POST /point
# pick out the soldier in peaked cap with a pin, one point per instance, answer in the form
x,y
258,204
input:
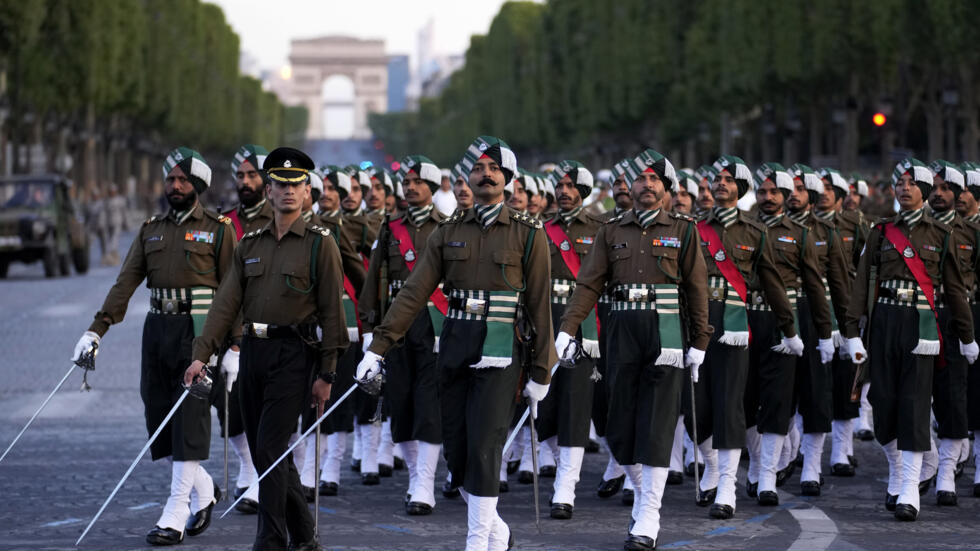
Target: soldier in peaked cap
x,y
493,262
914,255
284,361
650,260
183,256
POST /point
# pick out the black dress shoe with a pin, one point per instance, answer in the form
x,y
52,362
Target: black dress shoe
x,y
561,511
706,497
785,474
611,487
944,498
675,478
504,487
689,468
768,499
890,501
311,545
385,470
448,491
639,543
799,460
852,460
247,506
512,466
418,509
548,471
239,491
842,469
525,477
924,485
164,536
199,521
810,488
355,465
370,479
592,447
752,489
906,512
309,493
976,490
865,435
399,464
721,511
627,498
328,488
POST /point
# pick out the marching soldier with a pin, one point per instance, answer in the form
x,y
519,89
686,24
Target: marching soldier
x,y
705,201
857,193
685,194
412,386
968,208
494,264
649,259
253,212
814,372
298,265
562,423
183,256
912,255
464,195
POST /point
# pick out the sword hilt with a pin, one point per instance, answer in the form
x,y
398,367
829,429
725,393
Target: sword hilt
x,y
86,361
373,385
201,387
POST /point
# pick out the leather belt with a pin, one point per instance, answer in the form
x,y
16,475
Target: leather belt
x,y
634,295
904,295
170,305
272,331
473,306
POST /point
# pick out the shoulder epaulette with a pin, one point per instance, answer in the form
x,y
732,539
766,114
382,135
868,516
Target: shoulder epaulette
x,y
214,215
595,218
828,223
153,218
320,229
682,216
526,220
616,218
224,219
941,225
795,223
455,218
759,226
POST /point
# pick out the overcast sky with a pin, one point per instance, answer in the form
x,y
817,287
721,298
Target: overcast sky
x,y
266,28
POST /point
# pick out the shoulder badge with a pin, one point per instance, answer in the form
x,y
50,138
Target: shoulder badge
x,y
758,226
224,219
526,220
153,218
616,218
320,230
455,218
682,216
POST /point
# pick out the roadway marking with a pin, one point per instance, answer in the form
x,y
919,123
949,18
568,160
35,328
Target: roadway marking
x,y
817,530
61,522
144,506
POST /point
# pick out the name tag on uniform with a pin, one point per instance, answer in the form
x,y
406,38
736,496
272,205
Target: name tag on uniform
x,y
619,246
820,243
199,236
966,247
154,238
744,248
672,242
252,260
847,239
932,248
585,240
456,244
786,239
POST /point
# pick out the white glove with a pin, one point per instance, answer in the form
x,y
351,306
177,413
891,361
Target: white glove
x,y
366,339
826,348
229,367
85,344
694,359
856,349
369,367
791,346
970,351
535,393
562,342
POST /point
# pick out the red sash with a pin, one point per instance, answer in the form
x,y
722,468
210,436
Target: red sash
x,y
915,265
569,257
726,265
235,221
400,232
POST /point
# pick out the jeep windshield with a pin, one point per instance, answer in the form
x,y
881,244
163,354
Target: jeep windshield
x,y
26,194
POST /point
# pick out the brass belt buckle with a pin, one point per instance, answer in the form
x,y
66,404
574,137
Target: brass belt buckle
x,y
716,293
561,289
169,305
475,306
261,330
637,295
905,294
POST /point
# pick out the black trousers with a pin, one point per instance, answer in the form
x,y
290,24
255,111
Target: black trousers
x,y
412,388
843,374
973,379
276,377
342,418
814,379
769,400
644,398
720,390
949,384
165,356
600,392
566,410
901,382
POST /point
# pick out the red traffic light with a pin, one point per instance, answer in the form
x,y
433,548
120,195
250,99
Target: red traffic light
x,y
879,119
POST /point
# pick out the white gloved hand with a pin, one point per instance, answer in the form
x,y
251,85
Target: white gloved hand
x,y
564,345
693,360
826,348
856,349
535,392
369,367
85,344
229,367
366,339
792,346
970,351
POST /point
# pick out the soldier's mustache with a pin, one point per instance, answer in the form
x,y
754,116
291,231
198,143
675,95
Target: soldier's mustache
x,y
486,182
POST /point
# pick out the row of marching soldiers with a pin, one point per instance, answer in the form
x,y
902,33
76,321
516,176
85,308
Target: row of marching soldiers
x,y
764,312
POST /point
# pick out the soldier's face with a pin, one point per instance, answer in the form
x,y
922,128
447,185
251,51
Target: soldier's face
x,y
941,197
908,194
705,199
417,191
648,191
248,181
966,204
518,199
769,198
353,199
682,201
799,199
535,203
376,197
852,201
288,197
621,193
179,190
828,199
391,202
567,194
464,197
487,181
330,198
725,189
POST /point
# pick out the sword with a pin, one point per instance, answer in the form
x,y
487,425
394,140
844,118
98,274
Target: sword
x,y
200,390
87,362
534,472
694,429
296,443
522,420
316,490
227,431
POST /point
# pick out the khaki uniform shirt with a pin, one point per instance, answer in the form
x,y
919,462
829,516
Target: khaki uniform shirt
x,y
581,231
271,281
362,229
353,264
795,259
170,256
626,253
464,255
259,220
831,264
853,229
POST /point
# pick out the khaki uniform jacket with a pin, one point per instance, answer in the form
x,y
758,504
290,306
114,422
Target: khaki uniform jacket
x,y
831,264
261,218
795,259
362,230
463,255
853,229
353,264
626,253
272,281
170,256
968,239
582,232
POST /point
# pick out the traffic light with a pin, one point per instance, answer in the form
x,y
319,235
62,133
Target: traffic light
x,y
879,119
